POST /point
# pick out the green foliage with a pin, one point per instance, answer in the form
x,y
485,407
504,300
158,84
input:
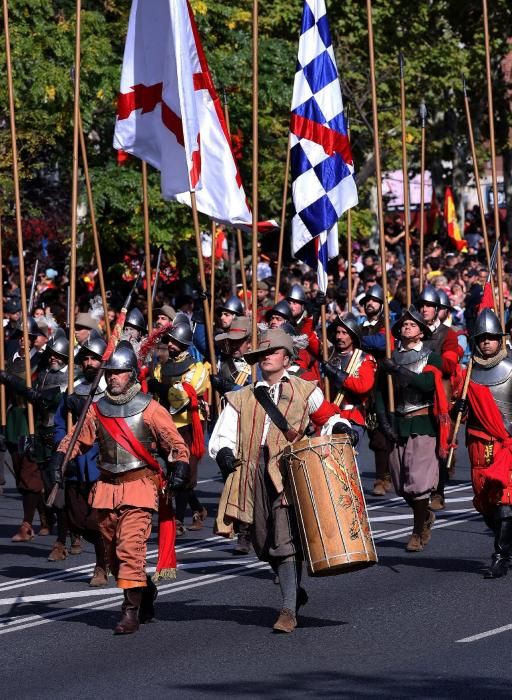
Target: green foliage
x,y
439,40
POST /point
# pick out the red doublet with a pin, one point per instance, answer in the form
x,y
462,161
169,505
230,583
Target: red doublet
x,y
356,390
308,358
451,353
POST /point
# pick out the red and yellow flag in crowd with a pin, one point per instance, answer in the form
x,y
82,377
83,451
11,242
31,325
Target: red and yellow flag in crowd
x,y
452,225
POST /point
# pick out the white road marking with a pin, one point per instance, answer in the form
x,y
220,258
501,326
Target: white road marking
x,y
398,500
483,635
408,516
36,620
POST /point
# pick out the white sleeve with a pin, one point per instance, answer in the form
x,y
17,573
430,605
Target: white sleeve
x,y
225,432
315,400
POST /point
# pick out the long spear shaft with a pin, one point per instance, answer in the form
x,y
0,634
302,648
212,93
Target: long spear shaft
x,y
95,236
255,212
212,275
405,176
17,201
349,239
493,162
423,118
31,298
476,175
74,210
382,240
157,276
283,220
239,242
147,248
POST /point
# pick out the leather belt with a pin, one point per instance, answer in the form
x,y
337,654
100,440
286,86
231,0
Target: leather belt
x,y
419,412
132,475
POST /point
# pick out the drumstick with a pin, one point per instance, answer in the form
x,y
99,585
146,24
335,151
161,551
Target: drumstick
x,y
351,368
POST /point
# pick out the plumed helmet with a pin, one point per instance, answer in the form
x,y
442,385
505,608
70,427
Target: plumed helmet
x,y
135,319
282,308
487,323
233,305
411,314
296,293
350,324
123,358
444,301
181,333
33,328
375,292
428,295
92,346
59,346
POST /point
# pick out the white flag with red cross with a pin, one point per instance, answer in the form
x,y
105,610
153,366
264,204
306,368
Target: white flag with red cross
x,y
169,113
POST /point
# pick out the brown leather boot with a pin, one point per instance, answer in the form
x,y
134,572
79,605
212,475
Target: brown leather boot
x,y
180,529
388,484
76,545
99,577
129,622
198,519
414,544
24,534
426,533
286,622
243,544
45,528
379,488
58,553
437,502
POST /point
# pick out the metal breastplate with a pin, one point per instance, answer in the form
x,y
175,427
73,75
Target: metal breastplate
x,y
499,381
50,380
340,361
113,458
173,370
436,340
409,399
84,388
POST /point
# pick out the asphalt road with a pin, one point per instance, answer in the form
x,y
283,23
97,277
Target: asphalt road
x,y
409,627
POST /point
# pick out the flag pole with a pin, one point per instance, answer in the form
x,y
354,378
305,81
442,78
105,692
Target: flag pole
x,y
382,240
255,213
74,210
202,278
17,200
349,238
405,177
95,237
423,118
476,175
283,220
493,163
212,275
147,247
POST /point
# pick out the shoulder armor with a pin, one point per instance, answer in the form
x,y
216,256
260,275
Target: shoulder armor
x,y
492,376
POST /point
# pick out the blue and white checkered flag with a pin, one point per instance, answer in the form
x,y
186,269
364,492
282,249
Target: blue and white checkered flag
x,y
323,184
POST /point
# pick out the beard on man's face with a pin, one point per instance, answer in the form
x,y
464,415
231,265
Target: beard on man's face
x,y
89,373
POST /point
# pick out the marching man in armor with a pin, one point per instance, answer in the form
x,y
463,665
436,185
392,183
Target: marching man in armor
x,y
488,431
351,380
131,430
134,328
420,407
248,441
234,372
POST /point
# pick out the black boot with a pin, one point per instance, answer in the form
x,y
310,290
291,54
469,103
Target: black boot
x,y
502,550
129,622
147,608
243,544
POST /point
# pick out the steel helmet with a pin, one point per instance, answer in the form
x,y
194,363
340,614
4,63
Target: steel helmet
x,y
123,358
428,295
350,324
487,323
92,346
135,319
33,328
233,305
181,333
181,317
412,314
444,301
282,308
297,294
59,346
375,292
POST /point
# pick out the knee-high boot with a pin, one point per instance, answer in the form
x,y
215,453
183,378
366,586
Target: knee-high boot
x,y
129,622
502,549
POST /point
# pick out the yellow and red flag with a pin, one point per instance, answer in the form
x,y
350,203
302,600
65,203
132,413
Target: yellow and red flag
x,y
452,225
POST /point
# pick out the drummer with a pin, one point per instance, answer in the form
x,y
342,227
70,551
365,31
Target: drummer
x,y
255,463
351,380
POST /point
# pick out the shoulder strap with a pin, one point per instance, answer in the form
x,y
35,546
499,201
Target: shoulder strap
x,y
262,396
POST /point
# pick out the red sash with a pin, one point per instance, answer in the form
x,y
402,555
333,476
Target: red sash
x,y
120,431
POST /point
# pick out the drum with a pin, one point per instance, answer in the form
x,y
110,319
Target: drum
x,y
325,488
